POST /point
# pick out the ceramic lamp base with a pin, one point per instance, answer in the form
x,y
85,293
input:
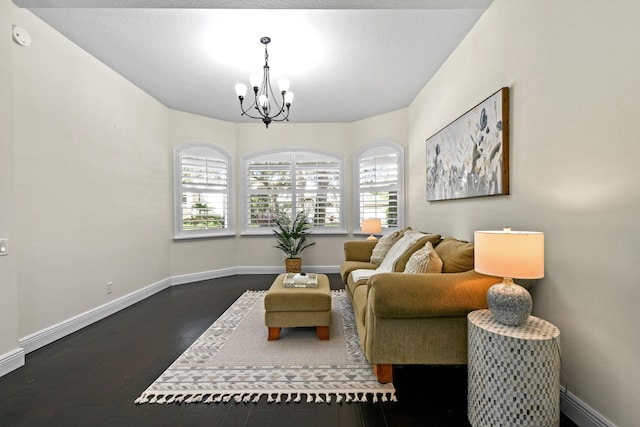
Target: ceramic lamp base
x,y
509,303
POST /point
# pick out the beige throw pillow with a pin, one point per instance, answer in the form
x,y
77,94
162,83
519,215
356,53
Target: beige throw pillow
x,y
382,247
424,260
456,255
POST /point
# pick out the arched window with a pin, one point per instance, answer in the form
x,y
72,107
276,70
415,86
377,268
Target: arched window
x,y
288,181
379,184
202,191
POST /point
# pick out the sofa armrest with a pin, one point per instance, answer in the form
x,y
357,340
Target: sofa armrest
x,y
359,250
403,295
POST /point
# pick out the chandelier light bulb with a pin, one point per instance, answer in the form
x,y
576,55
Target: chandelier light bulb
x,y
263,101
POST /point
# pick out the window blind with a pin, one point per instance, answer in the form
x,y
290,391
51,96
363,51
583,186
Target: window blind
x,y
203,190
378,188
287,182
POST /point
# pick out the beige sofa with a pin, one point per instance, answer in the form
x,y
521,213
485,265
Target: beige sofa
x,y
405,318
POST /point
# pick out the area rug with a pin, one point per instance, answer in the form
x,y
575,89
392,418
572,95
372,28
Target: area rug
x,y
232,361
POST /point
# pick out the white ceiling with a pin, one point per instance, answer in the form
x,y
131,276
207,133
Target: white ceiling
x,y
346,60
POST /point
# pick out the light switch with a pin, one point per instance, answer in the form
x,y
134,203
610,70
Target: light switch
x,y
4,246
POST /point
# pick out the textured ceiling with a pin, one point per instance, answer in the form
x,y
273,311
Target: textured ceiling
x,y
346,60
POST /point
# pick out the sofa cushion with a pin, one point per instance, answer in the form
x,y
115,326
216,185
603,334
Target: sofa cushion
x,y
401,262
424,260
352,285
382,247
360,297
456,255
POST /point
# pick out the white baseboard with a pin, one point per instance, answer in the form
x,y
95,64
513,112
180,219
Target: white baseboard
x,y
52,333
259,270
203,275
325,269
11,361
581,413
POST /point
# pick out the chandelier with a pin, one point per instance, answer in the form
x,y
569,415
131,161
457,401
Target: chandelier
x,y
265,103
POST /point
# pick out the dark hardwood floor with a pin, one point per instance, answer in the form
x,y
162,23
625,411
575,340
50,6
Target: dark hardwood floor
x,y
92,377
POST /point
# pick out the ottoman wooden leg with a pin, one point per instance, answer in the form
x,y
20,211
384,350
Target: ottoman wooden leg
x,y
323,332
274,334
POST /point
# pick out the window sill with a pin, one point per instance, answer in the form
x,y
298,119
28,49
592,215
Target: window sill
x,y
269,233
203,236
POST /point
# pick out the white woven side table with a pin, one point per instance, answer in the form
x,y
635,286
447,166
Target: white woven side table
x,y
513,372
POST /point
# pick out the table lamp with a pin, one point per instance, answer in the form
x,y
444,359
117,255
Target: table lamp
x,y
509,254
372,226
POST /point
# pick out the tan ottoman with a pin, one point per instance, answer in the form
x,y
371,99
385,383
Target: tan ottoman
x,y
294,307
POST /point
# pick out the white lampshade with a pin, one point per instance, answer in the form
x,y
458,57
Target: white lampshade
x,y
241,89
284,85
372,226
513,254
288,98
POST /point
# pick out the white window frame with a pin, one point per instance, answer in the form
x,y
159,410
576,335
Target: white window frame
x,y
325,230
392,147
204,149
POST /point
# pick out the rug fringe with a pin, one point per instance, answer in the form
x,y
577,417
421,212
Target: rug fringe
x,y
271,397
142,399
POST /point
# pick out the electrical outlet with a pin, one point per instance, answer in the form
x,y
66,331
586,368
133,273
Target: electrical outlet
x,y
109,287
4,247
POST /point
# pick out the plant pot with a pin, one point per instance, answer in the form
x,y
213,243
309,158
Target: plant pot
x,y
293,265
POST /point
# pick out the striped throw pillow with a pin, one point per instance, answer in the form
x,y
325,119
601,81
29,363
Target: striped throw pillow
x,y
424,260
382,247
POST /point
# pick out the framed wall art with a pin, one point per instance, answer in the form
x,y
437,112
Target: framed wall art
x,y
470,156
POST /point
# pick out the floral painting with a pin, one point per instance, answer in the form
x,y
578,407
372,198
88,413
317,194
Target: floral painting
x,y
470,157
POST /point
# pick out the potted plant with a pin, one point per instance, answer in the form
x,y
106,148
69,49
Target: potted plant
x,y
291,237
